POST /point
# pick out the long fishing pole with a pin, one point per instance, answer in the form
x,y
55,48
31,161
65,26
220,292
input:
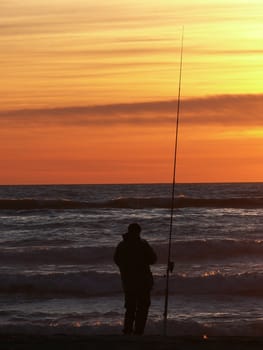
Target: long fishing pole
x,y
170,264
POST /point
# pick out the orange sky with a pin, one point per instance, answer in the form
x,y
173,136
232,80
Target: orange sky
x,y
88,91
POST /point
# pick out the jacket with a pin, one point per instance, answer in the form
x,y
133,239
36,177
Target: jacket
x,y
134,256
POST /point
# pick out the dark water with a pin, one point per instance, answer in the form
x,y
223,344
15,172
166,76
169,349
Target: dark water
x,y
57,242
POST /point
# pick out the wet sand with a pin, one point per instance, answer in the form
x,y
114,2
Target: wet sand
x,y
118,342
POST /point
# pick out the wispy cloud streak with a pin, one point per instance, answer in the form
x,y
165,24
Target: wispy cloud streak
x,y
224,110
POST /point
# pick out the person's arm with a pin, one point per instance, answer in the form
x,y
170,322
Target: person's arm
x,y
116,256
150,254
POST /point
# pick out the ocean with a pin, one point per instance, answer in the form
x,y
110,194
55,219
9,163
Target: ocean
x,y
57,274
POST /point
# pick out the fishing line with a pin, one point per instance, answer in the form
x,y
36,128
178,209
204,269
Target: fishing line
x,y
170,264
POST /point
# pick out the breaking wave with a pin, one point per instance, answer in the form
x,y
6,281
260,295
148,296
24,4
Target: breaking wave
x,y
90,284
182,251
133,203
188,327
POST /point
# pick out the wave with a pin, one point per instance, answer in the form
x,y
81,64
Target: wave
x,y
47,255
132,203
91,284
212,249
62,284
187,327
246,284
182,251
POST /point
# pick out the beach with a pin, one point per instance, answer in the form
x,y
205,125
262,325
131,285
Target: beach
x,y
116,342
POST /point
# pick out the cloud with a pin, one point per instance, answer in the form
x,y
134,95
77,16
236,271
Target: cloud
x,y
231,110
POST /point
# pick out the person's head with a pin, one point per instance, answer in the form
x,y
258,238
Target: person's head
x,y
134,230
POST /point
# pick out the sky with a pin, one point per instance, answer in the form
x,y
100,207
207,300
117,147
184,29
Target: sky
x,y
89,91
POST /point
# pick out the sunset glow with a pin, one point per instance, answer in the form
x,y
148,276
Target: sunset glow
x,y
88,91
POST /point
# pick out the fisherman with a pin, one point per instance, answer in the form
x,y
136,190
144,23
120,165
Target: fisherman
x,y
134,256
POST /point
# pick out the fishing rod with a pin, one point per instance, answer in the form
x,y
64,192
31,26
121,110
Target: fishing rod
x,y
170,264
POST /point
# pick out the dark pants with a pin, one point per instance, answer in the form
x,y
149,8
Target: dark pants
x,y
137,304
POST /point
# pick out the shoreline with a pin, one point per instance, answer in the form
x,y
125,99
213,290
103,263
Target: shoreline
x,y
120,342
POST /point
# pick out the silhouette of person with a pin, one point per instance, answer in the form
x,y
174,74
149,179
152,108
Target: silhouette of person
x,y
134,256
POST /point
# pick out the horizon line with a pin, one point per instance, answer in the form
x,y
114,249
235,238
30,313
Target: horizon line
x,y
134,183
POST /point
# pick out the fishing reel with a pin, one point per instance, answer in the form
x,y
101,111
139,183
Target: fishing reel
x,y
170,266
